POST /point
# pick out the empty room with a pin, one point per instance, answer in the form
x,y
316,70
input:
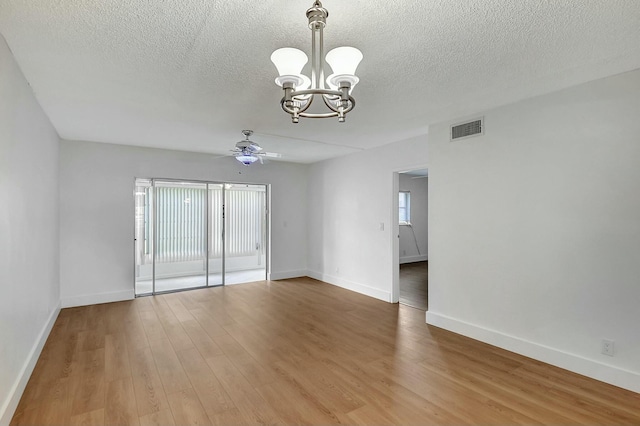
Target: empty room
x,y
367,213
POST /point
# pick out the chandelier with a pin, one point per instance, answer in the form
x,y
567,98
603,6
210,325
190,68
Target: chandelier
x,y
300,90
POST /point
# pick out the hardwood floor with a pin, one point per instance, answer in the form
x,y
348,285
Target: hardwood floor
x,y
293,352
414,278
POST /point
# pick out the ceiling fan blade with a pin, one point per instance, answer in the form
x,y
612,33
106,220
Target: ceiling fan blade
x,y
270,154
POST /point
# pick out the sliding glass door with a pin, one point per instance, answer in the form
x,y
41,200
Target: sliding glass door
x,y
181,235
143,237
198,234
245,246
216,234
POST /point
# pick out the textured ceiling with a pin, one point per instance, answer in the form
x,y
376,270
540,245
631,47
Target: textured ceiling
x,y
191,74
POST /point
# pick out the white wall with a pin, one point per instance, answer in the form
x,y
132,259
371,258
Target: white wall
x,y
413,248
29,289
96,212
535,229
349,199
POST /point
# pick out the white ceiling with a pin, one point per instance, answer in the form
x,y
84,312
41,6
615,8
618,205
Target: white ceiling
x,y
417,174
191,74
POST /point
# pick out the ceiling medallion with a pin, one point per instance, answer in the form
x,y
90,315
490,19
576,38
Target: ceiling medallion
x,y
300,90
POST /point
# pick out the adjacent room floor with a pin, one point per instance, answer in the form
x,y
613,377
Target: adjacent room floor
x,y
413,285
294,351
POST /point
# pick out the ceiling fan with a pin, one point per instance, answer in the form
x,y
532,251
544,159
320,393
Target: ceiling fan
x,y
248,152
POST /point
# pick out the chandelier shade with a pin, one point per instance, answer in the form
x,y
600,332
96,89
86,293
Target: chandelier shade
x,y
344,60
300,91
289,61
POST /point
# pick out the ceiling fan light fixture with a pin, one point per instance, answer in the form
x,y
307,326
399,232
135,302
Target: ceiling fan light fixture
x,y
248,152
300,90
247,159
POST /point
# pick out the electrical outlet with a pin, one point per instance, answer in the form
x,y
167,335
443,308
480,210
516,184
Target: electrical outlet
x,y
608,347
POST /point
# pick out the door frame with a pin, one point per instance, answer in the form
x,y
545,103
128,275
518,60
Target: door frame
x,y
395,228
267,222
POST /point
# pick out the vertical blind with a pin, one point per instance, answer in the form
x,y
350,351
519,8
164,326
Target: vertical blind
x,y
182,223
245,227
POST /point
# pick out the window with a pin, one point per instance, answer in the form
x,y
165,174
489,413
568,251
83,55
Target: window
x,y
404,208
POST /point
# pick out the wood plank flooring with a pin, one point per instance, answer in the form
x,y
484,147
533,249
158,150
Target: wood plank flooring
x,y
414,279
293,352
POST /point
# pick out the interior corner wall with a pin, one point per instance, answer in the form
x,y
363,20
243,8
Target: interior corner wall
x,y
535,229
29,286
97,212
351,201
414,237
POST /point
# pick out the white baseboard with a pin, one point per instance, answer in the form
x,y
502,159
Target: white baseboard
x,y
351,285
283,275
411,259
587,367
11,403
94,299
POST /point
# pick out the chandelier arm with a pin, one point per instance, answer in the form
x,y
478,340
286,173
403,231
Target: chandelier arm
x,y
293,110
302,108
318,115
352,104
323,92
317,92
335,112
328,103
306,105
285,108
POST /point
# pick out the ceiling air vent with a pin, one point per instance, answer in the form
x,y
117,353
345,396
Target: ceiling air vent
x,y
465,130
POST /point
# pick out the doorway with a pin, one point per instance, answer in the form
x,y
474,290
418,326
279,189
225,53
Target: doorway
x,y
192,234
413,190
